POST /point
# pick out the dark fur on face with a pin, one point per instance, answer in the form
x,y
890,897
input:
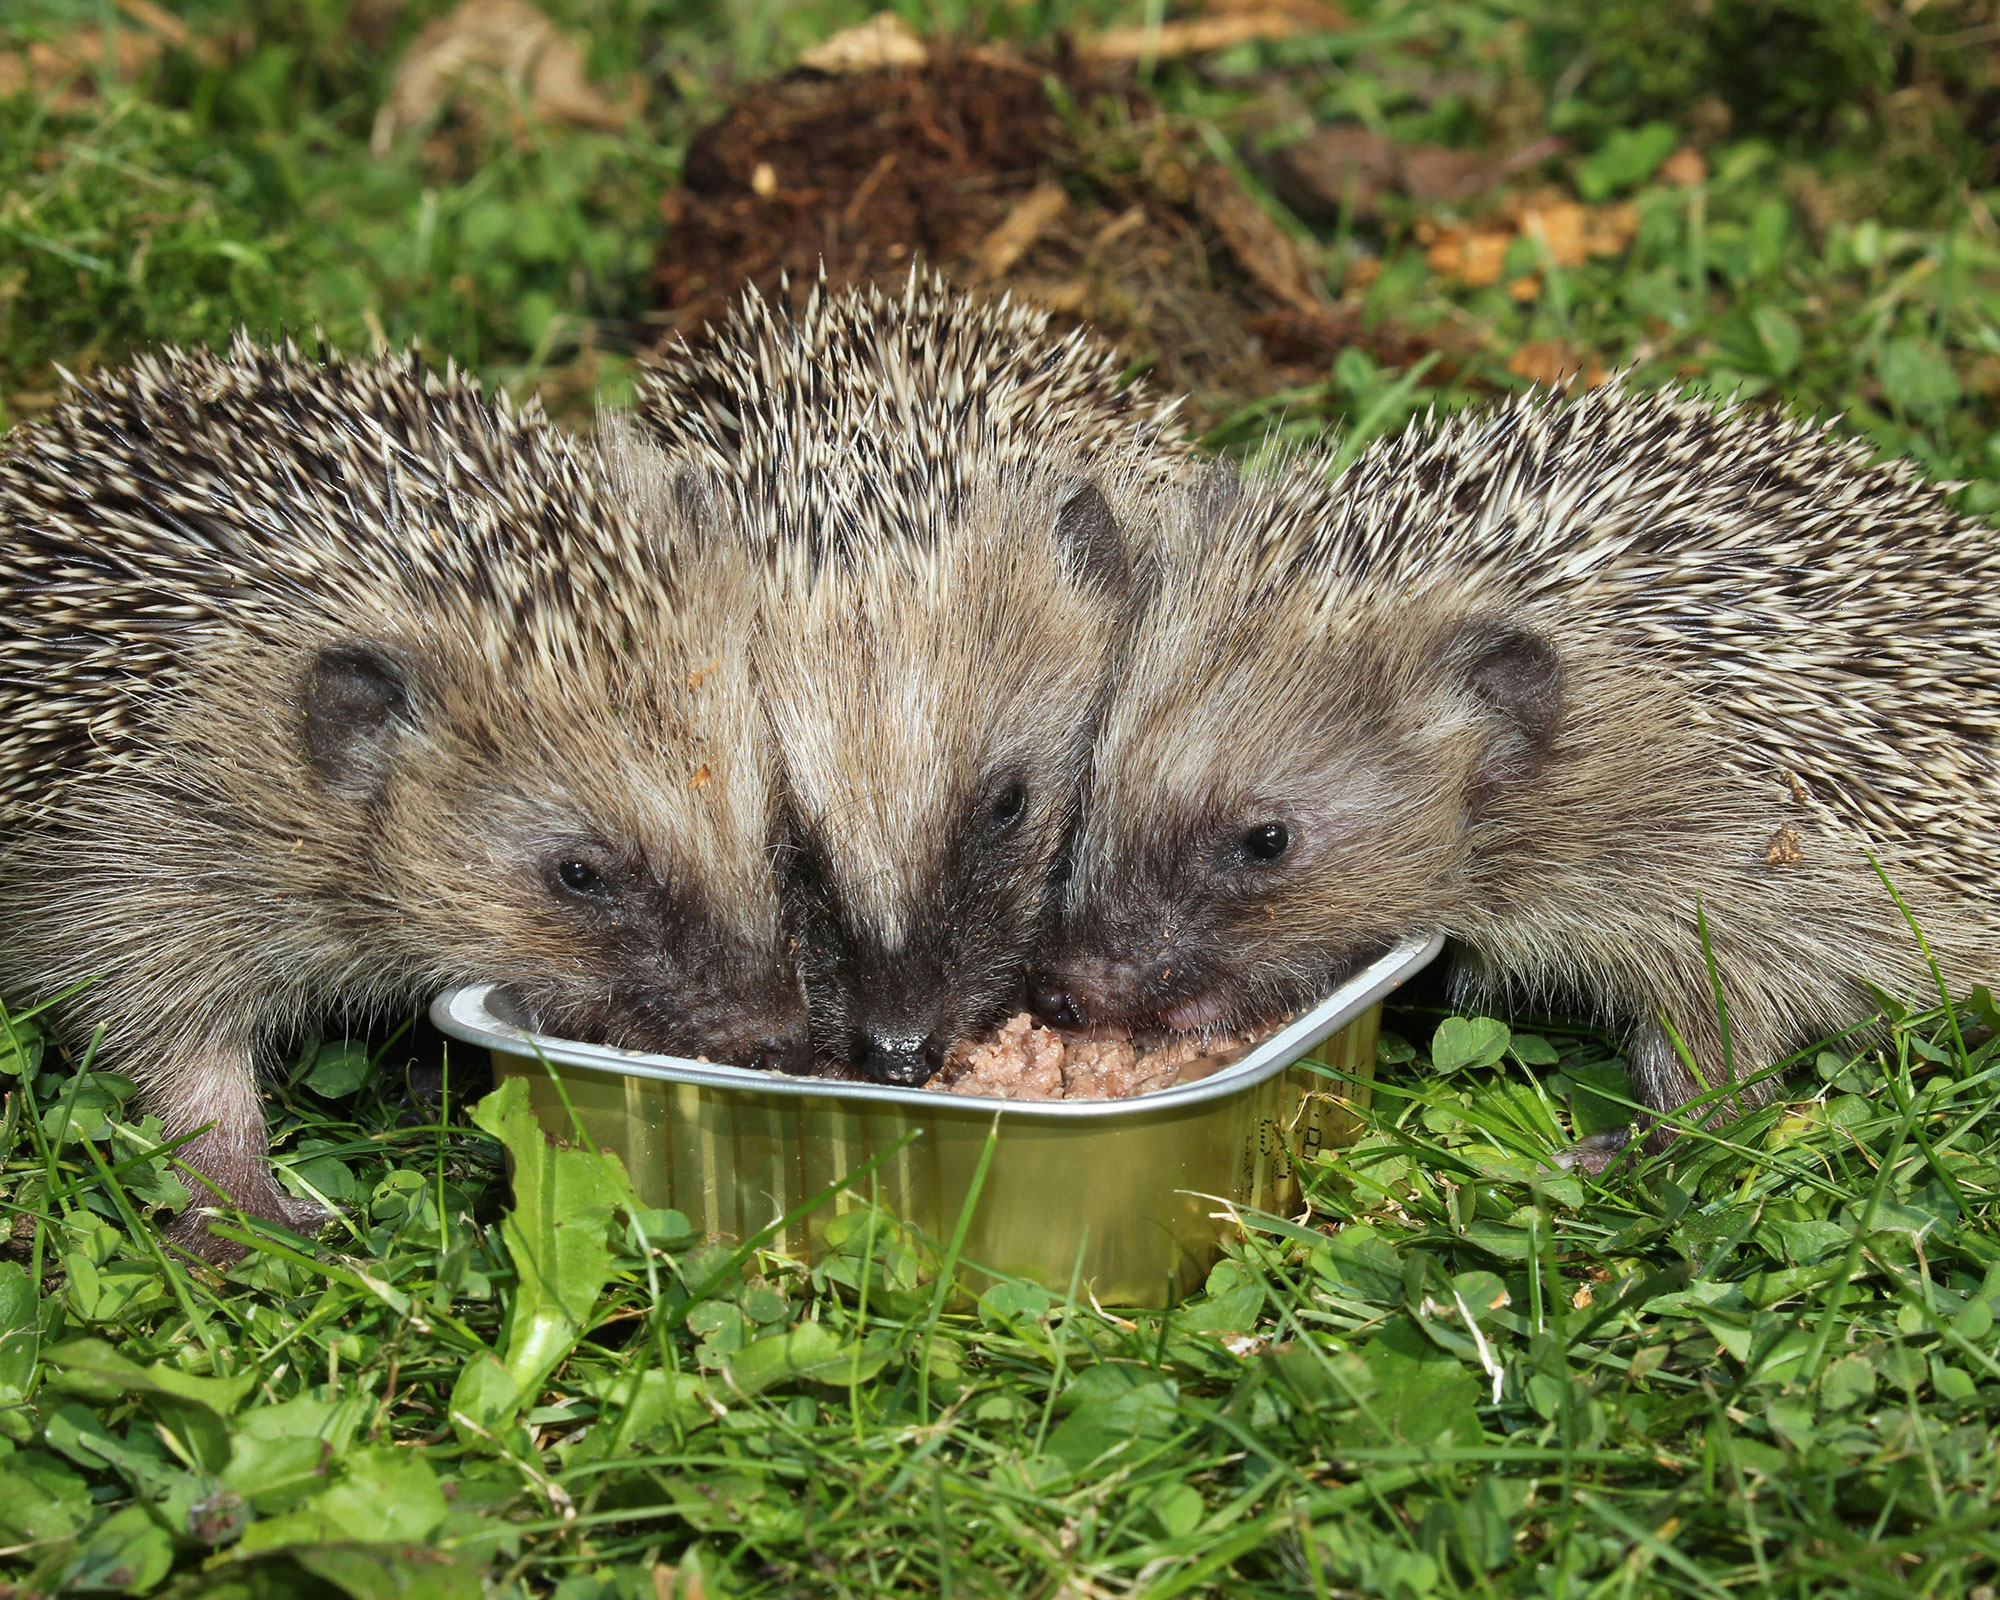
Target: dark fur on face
x,y
934,706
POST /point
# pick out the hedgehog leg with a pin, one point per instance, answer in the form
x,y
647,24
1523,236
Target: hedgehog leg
x,y
216,1088
1660,1079
1596,1154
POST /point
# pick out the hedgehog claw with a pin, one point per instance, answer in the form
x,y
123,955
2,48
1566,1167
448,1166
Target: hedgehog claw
x,y
1594,1155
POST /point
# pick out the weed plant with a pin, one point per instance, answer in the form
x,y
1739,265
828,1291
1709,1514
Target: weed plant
x,y
1765,1365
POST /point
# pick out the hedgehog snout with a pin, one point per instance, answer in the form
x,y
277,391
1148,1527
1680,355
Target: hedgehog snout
x,y
902,1057
1081,991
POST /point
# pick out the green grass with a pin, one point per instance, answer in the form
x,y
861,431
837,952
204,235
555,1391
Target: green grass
x,y
1768,1365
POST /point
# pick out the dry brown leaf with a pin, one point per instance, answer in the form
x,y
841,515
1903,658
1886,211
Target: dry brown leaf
x,y
1312,13
1027,220
1570,234
884,41
1475,258
1195,36
1684,167
1266,253
492,45
1559,230
1551,362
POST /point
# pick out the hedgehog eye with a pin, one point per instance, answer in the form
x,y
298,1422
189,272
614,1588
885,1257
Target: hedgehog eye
x,y
1267,841
579,878
1008,808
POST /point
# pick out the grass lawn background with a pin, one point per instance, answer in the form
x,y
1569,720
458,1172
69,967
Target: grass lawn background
x,y
1768,1365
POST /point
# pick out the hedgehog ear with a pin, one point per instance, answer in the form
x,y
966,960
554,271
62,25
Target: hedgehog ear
x,y
358,708
1516,674
1091,540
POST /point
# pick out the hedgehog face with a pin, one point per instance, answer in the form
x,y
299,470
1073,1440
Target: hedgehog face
x,y
599,841
934,713
1283,788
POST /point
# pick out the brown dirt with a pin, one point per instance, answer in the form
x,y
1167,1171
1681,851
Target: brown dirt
x,y
1108,216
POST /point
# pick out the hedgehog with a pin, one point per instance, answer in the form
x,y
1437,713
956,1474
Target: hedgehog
x,y
324,686
1631,696
947,502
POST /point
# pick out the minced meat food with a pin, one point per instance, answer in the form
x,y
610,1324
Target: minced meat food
x,y
1026,1060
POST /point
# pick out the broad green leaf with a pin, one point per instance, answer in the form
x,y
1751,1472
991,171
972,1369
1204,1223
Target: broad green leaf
x,y
1532,1050
564,1201
377,1572
1780,337
1113,1406
1627,158
127,1553
356,1571
1006,1303
1916,377
1846,1383
40,1498
1422,1395
1468,1042
1591,1106
191,1408
338,1069
285,1452
1177,1508
384,1495
485,1400
20,1331
810,1351
636,1407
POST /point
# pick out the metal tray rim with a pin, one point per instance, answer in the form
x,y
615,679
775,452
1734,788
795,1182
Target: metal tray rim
x,y
464,1014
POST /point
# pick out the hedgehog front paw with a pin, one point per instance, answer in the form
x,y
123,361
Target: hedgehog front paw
x,y
1594,1154
190,1230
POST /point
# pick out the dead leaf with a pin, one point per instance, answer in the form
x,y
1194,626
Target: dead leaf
x,y
1199,35
1555,364
1574,233
1559,230
492,46
1569,233
1475,258
1312,13
1684,167
1026,221
884,41
1266,253
668,1584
